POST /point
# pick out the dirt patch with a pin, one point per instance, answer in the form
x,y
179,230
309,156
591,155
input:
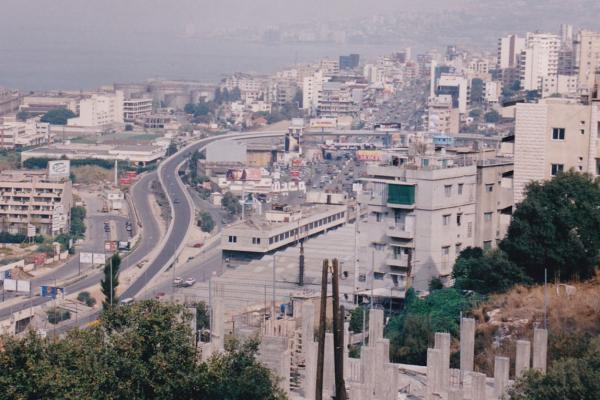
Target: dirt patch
x,y
92,174
573,312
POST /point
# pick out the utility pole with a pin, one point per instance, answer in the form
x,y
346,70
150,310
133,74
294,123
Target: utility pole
x,y
338,335
321,335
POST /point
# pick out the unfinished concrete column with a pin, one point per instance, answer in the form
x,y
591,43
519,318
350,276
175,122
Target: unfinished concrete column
x,y
388,387
523,357
274,353
375,326
328,367
467,343
540,349
442,343
310,369
218,325
382,351
368,360
455,394
434,362
477,386
501,371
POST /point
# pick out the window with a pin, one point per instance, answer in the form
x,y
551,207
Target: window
x,y
558,133
378,217
378,276
487,216
458,248
555,169
448,190
582,131
270,240
460,188
232,239
445,251
487,245
446,219
458,219
489,187
255,240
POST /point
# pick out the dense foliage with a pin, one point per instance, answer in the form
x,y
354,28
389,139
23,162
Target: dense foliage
x,y
357,317
172,149
486,273
206,222
231,203
142,351
58,116
556,227
570,378
108,284
412,330
78,222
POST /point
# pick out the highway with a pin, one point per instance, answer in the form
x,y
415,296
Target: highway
x,y
183,215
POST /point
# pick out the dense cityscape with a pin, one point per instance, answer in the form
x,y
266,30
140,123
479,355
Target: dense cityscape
x,y
420,224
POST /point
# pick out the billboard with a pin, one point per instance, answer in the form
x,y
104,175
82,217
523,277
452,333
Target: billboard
x,y
368,155
52,291
99,258
86,258
14,285
246,174
59,168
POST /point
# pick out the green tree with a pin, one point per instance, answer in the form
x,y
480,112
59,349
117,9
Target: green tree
x,y
144,351
231,203
58,116
206,222
571,378
556,227
109,283
475,113
78,215
86,298
476,90
492,117
356,319
486,273
435,284
172,149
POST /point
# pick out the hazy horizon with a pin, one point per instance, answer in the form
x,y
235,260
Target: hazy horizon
x,y
75,44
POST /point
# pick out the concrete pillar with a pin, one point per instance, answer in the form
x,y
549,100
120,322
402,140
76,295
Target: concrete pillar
x,y
391,384
442,343
523,357
501,371
455,394
467,343
310,369
368,361
540,349
328,367
477,386
274,353
382,351
375,326
434,361
218,325
308,321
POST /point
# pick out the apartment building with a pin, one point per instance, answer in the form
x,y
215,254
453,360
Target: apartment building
x,y
100,110
18,135
509,49
538,60
339,99
455,86
442,117
280,227
135,109
34,199
422,211
311,88
587,58
553,136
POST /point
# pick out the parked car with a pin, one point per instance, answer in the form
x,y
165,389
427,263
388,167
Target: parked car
x,y
127,301
177,281
159,295
198,245
189,282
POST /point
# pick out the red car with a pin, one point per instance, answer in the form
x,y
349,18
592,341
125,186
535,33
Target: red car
x,y
198,245
159,295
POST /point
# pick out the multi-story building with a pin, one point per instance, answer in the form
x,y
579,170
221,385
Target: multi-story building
x,y
339,99
553,136
311,89
587,59
349,62
509,49
9,101
421,214
19,135
422,211
538,60
34,199
455,86
100,110
492,92
281,227
442,117
135,109
329,67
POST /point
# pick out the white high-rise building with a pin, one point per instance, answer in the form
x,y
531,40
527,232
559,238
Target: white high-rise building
x,y
99,110
509,48
538,60
587,58
312,86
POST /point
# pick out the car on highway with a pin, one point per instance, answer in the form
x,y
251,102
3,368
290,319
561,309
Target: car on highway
x,y
177,281
189,282
127,301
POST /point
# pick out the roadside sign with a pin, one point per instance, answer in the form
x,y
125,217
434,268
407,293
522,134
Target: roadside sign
x,y
110,246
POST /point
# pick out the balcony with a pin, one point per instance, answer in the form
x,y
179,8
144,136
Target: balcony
x,y
400,232
397,261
